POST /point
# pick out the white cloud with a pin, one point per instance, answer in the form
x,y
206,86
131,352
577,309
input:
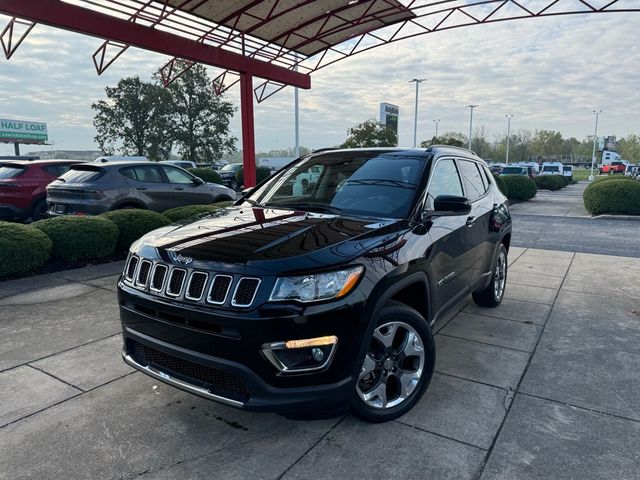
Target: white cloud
x,y
549,72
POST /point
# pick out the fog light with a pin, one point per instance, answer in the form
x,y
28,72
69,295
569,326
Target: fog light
x,y
301,355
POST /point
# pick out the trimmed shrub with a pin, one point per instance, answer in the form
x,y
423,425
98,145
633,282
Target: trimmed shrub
x,y
565,180
609,178
262,173
520,187
134,223
501,184
549,182
22,248
206,174
615,197
80,238
180,213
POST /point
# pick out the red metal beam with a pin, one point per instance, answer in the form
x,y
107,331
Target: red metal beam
x,y
89,22
248,137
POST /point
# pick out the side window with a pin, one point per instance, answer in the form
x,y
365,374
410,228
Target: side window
x,y
473,184
143,173
177,176
488,175
444,181
62,169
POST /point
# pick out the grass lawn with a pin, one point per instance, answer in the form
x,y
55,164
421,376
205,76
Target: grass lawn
x,y
583,173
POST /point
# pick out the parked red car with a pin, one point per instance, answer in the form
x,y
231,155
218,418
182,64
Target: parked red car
x,y
23,186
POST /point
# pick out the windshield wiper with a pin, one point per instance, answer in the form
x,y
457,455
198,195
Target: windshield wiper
x,y
253,203
382,181
308,206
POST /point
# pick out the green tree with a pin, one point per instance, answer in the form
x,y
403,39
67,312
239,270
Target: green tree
x,y
201,127
454,139
370,134
548,142
629,147
135,119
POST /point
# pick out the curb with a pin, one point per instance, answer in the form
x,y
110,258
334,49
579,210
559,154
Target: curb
x,y
627,218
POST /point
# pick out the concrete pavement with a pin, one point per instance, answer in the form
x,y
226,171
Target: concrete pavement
x,y
545,386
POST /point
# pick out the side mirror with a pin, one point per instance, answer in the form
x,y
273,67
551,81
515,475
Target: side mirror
x,y
451,205
198,181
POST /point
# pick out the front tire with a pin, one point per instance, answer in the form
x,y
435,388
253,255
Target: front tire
x,y
492,294
397,367
39,210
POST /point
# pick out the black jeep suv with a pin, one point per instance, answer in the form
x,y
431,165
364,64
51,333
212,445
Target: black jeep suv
x,y
318,289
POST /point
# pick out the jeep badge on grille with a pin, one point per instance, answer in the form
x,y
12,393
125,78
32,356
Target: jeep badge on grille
x,y
179,259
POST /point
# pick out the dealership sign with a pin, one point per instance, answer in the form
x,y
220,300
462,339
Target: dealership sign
x,y
389,116
21,131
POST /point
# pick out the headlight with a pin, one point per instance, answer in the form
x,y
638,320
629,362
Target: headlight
x,y
320,286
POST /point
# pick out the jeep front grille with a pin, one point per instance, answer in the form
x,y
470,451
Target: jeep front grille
x,y
194,286
245,292
131,268
159,275
143,273
219,289
176,280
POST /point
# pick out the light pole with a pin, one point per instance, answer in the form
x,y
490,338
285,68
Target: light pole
x,y
417,81
595,139
471,107
509,117
296,115
437,122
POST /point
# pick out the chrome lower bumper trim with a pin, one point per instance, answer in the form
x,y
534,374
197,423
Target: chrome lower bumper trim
x,y
164,377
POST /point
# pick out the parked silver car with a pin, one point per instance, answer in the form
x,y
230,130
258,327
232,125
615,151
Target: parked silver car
x,y
91,189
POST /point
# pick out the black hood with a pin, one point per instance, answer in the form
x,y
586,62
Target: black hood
x,y
255,235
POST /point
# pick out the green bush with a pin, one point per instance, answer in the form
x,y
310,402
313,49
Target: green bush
x,y
550,182
616,197
262,173
609,178
80,238
501,184
180,213
206,174
520,187
565,180
134,223
22,248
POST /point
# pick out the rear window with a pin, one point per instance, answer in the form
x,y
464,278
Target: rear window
x,y
7,171
566,169
550,169
512,171
83,174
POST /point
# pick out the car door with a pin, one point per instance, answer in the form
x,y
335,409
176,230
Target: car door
x,y
149,186
478,222
448,239
186,189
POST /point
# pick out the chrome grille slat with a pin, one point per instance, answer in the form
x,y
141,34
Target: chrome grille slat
x,y
195,286
158,277
176,282
245,292
143,273
130,272
219,289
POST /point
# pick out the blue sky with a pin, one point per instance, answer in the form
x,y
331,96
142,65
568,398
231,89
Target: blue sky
x,y
550,73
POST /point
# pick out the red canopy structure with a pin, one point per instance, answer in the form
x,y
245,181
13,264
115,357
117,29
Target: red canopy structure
x,y
279,41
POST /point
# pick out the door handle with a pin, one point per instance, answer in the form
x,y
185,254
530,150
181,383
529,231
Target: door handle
x,y
470,221
178,188
141,188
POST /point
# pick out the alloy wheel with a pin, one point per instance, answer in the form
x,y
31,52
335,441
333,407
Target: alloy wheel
x,y
392,367
500,275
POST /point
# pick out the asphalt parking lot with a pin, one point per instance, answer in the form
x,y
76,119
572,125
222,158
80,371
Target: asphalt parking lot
x,y
545,386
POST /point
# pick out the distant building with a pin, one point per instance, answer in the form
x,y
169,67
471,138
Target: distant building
x,y
86,155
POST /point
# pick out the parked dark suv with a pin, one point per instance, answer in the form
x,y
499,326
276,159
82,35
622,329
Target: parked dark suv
x,y
297,300
91,188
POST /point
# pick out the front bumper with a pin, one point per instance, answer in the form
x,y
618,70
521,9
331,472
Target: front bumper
x,y
222,360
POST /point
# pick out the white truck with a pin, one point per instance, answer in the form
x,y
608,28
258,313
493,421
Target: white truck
x,y
552,168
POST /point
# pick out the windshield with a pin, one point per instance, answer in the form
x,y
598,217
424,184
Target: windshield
x,y
10,171
380,184
567,169
550,169
231,167
513,171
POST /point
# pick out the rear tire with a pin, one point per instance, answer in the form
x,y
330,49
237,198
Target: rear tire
x,y
398,365
492,294
39,210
